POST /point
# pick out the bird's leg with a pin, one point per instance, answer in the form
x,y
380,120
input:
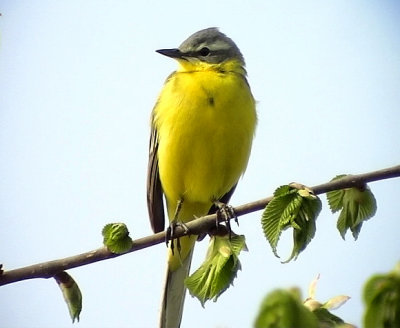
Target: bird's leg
x,y
171,229
225,213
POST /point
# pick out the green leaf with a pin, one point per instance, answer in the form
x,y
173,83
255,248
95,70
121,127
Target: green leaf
x,y
284,309
293,206
272,219
335,197
307,215
327,319
356,205
219,268
283,190
382,299
71,292
116,238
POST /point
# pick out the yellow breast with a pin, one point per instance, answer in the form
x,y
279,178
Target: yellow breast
x,y
205,122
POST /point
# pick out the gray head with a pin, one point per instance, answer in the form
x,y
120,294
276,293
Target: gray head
x,y
208,45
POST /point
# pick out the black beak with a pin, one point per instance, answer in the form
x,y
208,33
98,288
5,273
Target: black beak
x,y
173,53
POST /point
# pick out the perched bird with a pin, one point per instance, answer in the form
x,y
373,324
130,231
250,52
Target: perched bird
x,y
202,128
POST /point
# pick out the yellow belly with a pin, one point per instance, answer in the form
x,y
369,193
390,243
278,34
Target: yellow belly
x,y
205,122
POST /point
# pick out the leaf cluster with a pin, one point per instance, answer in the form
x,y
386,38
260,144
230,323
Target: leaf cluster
x,y
293,206
356,205
284,309
219,268
382,299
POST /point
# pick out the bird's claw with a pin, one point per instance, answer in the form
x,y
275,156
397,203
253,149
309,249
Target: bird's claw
x,y
224,214
170,235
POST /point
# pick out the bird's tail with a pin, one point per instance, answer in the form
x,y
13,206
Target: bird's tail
x,y
173,296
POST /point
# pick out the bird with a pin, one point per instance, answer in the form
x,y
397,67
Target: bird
x,y
202,128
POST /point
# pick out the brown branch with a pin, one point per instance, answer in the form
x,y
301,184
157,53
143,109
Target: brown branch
x,y
198,226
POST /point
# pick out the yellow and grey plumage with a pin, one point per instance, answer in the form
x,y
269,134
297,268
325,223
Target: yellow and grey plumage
x,y
202,130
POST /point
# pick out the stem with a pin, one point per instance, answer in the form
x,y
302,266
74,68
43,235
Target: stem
x,y
198,226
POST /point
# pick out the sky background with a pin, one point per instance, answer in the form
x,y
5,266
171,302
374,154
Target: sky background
x,y
78,80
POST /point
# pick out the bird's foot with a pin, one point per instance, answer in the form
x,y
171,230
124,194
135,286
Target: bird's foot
x,y
171,235
225,213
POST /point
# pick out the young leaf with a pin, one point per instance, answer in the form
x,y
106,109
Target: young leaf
x,y
307,216
325,318
293,206
335,197
356,205
336,302
284,309
116,238
272,221
219,268
382,299
71,292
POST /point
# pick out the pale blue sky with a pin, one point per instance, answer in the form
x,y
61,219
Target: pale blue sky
x,y
78,81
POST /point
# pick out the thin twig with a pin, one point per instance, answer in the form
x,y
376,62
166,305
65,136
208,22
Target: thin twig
x,y
198,226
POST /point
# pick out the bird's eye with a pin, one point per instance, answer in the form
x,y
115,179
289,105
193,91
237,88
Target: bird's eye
x,y
204,52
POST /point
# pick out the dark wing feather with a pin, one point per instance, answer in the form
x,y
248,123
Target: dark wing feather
x,y
155,204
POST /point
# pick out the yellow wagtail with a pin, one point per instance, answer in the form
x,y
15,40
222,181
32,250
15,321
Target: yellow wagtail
x,y
202,130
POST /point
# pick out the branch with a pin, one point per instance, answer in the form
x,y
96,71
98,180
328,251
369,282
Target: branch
x,y
198,226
